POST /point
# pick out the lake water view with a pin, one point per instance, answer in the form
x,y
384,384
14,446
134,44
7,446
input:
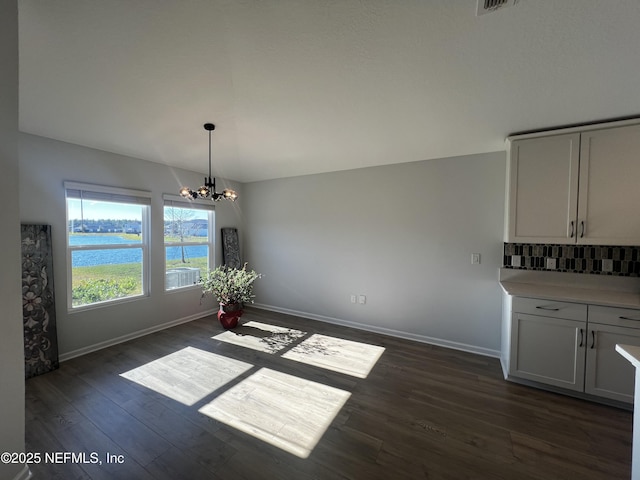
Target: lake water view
x,y
89,258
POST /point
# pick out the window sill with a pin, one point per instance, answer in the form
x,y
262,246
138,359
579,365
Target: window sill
x,y
185,288
106,303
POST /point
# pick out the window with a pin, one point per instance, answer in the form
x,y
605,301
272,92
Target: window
x,y
107,244
188,241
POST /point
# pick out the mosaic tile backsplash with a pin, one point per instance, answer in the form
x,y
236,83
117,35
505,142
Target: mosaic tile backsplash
x,y
593,259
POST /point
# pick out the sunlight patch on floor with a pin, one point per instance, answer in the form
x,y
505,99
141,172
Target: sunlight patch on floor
x,y
286,411
187,375
260,336
336,354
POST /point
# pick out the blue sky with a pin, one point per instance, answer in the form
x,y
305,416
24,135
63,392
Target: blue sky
x,y
103,210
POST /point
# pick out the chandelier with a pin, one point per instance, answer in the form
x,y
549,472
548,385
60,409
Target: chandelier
x,y
208,190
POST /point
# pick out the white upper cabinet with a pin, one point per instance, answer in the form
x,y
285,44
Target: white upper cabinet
x,y
575,186
609,199
543,189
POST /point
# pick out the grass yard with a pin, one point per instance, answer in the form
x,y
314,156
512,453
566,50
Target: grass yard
x,y
106,282
108,272
131,270
200,262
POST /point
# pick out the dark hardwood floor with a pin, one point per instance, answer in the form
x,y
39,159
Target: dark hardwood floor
x,y
422,412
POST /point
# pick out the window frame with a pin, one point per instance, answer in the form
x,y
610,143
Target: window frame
x,y
174,201
105,193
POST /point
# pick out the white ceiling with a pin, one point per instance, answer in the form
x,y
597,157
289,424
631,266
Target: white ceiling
x,y
306,86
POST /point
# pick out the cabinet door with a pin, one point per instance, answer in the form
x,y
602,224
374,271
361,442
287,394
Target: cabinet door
x,y
543,189
609,374
609,201
548,350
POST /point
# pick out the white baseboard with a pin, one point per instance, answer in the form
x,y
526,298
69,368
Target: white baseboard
x,y
385,331
130,336
24,474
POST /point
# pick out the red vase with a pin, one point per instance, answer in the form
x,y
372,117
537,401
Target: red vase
x,y
228,315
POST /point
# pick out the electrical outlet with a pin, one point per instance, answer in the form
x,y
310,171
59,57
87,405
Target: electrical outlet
x,y
607,265
551,263
516,260
353,299
475,259
362,299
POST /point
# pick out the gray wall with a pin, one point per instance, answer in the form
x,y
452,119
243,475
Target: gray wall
x,y
11,340
401,234
45,164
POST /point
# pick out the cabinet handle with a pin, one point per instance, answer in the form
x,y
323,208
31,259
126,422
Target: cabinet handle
x,y
571,235
581,342
593,339
549,309
629,318
582,229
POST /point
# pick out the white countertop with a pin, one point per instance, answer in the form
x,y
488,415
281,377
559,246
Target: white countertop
x,y
573,294
609,291
630,352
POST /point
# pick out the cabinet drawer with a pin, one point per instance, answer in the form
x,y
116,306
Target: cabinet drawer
x,y
622,317
550,308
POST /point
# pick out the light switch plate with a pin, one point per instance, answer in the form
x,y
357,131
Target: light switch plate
x,y
516,260
475,259
551,263
607,265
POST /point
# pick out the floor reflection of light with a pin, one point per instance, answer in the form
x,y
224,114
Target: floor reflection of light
x,y
260,336
336,354
187,375
286,411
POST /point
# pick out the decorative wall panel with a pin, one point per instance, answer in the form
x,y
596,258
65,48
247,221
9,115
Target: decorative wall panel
x,y
38,307
230,248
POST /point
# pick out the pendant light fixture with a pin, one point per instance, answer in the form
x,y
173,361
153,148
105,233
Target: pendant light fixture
x,y
208,190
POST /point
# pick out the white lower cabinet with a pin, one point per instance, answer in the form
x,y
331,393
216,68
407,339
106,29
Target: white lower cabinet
x,y
572,346
607,373
547,350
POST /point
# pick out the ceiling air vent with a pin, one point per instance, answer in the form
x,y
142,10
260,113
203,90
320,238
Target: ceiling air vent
x,y
488,6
